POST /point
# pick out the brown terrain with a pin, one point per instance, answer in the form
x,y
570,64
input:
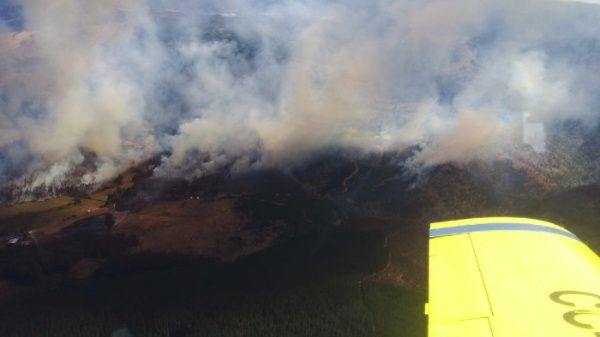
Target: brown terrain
x,y
209,228
227,217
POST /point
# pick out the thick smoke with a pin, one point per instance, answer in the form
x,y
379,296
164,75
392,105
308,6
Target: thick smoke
x,y
242,85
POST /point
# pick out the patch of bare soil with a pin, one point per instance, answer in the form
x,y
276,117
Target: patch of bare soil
x,y
197,227
85,268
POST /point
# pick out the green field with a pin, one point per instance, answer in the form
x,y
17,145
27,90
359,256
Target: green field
x,y
52,214
47,215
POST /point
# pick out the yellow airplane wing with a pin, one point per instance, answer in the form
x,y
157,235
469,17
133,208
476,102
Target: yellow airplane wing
x,y
511,277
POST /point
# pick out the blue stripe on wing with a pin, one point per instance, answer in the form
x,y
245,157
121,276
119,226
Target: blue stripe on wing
x,y
436,232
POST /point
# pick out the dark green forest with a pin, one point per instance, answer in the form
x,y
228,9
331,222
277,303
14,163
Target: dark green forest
x,y
314,285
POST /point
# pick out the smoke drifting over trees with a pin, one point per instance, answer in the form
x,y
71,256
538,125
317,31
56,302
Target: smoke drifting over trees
x,y
250,84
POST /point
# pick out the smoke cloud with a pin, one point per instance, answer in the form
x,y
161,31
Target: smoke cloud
x,y
250,84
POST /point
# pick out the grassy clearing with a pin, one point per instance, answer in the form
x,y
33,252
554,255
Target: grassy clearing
x,y
52,214
48,215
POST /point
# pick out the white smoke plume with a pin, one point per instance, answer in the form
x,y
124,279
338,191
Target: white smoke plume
x,y
247,84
